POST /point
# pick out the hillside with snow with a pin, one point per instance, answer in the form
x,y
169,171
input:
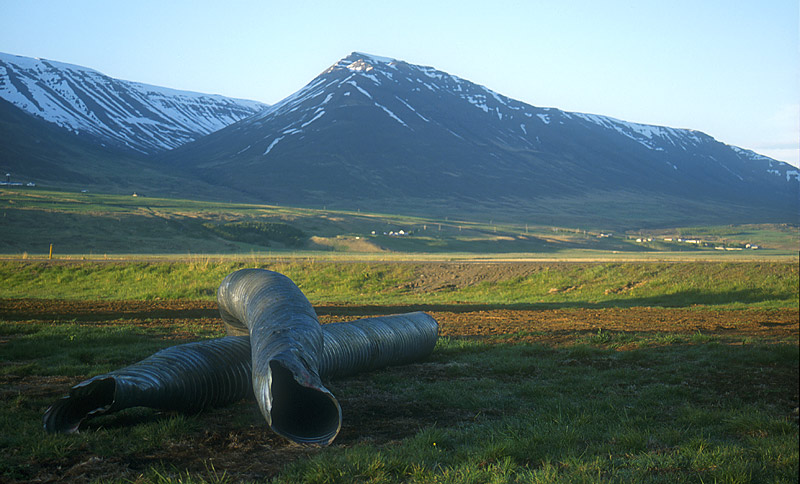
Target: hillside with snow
x,y
127,115
380,132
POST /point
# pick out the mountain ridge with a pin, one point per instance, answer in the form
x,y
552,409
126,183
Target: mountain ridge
x,y
384,134
384,131
131,116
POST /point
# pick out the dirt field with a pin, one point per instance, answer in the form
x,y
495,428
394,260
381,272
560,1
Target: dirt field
x,y
255,452
551,326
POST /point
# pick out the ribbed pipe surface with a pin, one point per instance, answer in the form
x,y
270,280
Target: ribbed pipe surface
x,y
285,344
188,378
372,343
281,362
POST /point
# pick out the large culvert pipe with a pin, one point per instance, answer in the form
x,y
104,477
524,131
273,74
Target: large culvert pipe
x,y
187,378
372,343
285,345
194,376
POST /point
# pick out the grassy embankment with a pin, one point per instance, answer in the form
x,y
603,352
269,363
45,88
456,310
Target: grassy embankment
x,y
624,284
671,407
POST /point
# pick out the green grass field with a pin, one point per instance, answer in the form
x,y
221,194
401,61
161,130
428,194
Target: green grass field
x,y
99,226
650,407
667,404
623,284
670,411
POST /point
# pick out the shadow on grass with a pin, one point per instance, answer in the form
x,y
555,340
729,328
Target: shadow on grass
x,y
86,311
383,413
683,299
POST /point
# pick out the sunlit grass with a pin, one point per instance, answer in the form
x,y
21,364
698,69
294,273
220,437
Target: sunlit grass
x,y
609,406
733,285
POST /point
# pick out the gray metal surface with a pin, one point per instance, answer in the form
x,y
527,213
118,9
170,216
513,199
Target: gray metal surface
x,y
281,362
286,344
188,377
372,343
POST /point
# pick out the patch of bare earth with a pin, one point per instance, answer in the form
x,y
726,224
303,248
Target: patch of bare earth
x,y
235,439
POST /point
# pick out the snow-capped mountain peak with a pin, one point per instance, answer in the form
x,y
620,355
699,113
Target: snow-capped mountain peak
x,y
361,62
382,128
426,95
133,115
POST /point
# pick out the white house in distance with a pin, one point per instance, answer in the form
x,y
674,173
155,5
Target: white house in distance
x,y
8,183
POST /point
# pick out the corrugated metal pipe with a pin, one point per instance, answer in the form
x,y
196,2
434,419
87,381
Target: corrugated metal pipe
x,y
276,349
187,378
285,347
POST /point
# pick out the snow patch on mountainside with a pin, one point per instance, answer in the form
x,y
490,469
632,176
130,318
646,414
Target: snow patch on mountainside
x,y
650,136
366,87
412,109
142,117
360,89
272,145
774,167
391,114
317,115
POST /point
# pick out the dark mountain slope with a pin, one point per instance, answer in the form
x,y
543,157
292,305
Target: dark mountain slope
x,y
383,134
39,152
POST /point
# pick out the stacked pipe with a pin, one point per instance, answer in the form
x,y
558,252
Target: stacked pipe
x,y
275,349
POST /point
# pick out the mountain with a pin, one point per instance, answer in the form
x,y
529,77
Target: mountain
x,y
35,151
379,134
382,134
124,115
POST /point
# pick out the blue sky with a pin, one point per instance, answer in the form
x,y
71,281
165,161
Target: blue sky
x,y
729,68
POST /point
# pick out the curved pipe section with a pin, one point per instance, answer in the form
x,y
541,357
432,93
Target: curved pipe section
x,y
291,354
285,345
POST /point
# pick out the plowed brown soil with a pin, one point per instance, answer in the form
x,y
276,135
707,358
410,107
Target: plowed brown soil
x,y
250,451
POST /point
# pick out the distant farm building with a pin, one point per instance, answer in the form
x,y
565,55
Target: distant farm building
x,y
9,183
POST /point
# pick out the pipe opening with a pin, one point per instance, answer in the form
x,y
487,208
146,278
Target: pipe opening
x,y
66,415
303,414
